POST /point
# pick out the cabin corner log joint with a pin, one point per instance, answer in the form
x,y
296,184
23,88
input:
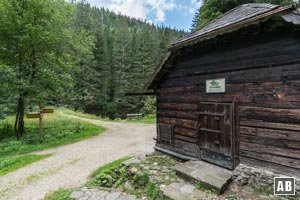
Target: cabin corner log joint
x,y
229,92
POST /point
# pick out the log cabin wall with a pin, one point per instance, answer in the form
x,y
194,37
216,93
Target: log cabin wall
x,y
262,72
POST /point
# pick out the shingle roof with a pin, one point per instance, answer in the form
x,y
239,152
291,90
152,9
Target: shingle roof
x,y
238,14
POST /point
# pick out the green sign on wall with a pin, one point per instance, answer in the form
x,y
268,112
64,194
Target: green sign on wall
x,y
216,86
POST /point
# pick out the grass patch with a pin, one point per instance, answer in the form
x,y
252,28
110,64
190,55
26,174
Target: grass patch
x,y
61,194
231,196
261,190
80,114
58,130
118,176
10,164
109,175
150,119
108,167
203,187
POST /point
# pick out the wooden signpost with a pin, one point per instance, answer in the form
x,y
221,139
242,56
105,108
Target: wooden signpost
x,y
40,116
33,115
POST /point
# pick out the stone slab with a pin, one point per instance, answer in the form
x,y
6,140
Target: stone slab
x,y
188,188
175,193
76,194
210,176
113,196
127,197
133,160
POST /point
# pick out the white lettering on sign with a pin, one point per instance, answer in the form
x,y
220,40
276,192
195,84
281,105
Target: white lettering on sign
x,y
288,186
280,186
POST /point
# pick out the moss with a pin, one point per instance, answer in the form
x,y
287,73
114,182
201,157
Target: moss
x,y
261,189
61,194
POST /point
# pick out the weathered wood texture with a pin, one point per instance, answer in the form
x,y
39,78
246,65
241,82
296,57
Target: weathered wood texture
x,y
262,78
216,134
165,133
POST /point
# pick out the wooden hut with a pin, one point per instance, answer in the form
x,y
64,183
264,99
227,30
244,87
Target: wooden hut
x,y
229,93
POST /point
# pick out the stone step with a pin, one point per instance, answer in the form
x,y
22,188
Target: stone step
x,y
209,176
185,191
175,193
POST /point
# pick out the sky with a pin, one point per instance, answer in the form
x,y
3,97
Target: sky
x,y
172,13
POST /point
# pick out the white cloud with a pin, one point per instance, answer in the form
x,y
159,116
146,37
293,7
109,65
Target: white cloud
x,y
190,8
195,4
130,8
160,7
138,8
149,21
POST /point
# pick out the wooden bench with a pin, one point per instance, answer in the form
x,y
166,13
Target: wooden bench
x,y
131,116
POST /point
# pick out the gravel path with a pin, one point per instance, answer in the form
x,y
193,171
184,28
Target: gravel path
x,y
70,165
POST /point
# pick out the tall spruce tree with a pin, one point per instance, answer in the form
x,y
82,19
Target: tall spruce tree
x,y
36,46
125,54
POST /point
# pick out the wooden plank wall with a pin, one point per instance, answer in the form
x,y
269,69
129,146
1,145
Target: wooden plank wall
x,y
263,79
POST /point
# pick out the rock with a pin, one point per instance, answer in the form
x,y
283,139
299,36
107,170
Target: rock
x,y
93,190
104,193
210,176
133,170
155,164
131,161
173,179
198,194
175,185
142,165
147,162
188,188
96,198
156,167
98,194
113,196
153,172
127,197
175,193
157,178
84,198
76,194
166,170
128,185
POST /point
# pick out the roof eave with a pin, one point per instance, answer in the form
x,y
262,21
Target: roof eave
x,y
231,27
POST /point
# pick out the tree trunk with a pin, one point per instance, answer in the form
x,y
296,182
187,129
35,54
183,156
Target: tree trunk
x,y
19,122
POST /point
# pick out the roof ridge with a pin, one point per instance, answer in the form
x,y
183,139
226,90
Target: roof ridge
x,y
194,34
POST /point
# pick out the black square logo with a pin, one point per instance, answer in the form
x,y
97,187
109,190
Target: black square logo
x,y
284,186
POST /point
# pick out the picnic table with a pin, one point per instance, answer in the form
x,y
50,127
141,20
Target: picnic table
x,y
134,116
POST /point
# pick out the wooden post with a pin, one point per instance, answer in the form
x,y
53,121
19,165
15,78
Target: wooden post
x,y
40,115
41,122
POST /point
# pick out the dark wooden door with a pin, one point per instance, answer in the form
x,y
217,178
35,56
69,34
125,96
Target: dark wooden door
x,y
216,133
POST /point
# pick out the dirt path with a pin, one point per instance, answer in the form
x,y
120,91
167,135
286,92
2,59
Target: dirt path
x,y
70,165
